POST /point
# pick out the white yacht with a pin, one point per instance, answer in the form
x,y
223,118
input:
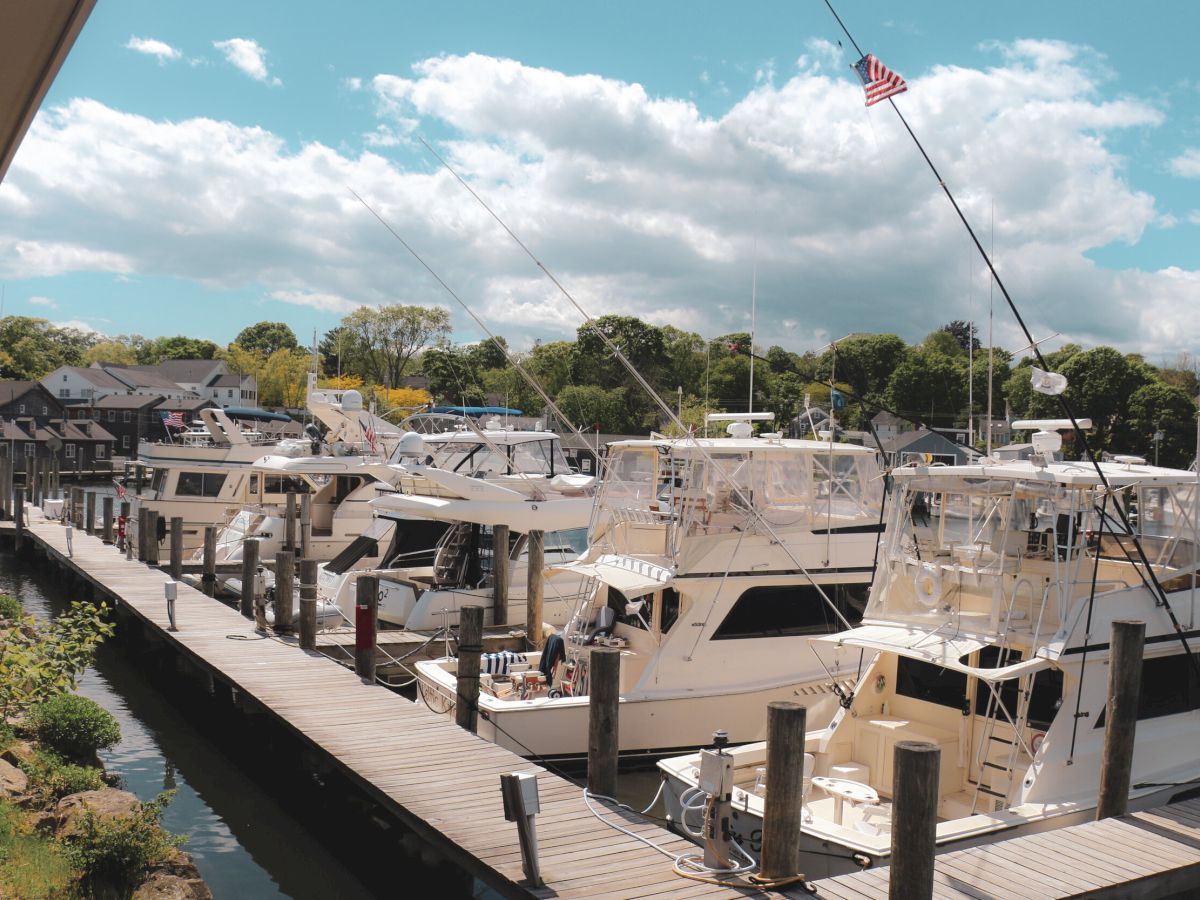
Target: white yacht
x,y
203,476
711,561
992,627
455,487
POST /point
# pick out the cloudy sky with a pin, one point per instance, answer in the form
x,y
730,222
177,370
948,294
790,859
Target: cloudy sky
x,y
191,170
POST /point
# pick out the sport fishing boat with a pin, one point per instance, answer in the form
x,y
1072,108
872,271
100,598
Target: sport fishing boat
x,y
203,476
991,630
711,561
449,493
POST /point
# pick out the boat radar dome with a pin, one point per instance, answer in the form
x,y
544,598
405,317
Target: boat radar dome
x,y
739,429
351,401
411,444
1130,460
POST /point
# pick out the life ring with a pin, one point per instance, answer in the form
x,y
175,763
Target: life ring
x,y
1035,742
928,584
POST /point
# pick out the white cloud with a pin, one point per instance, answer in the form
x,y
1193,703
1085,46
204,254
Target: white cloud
x,y
79,325
43,301
247,55
164,52
1187,164
641,205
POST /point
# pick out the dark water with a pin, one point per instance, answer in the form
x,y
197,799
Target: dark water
x,y
245,843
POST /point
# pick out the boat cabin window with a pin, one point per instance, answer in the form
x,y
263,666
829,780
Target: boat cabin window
x,y
285,484
925,681
643,620
1046,698
541,457
345,485
1169,686
790,610
199,484
157,482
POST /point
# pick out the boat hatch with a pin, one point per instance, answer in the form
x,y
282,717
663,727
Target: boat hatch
x,y
942,648
632,577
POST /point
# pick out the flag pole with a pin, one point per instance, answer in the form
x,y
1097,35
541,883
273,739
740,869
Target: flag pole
x,y
1062,400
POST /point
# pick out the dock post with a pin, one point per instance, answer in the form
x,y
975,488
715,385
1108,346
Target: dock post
x,y
521,804
604,735
56,477
208,580
366,608
31,479
138,473
782,810
89,512
108,521
289,533
305,526
152,547
536,554
308,603
18,517
5,485
914,819
285,584
77,507
499,574
177,548
143,515
470,646
123,533
249,574
1120,716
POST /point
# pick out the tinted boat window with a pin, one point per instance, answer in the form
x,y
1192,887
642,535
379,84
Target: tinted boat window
x,y
789,610
933,684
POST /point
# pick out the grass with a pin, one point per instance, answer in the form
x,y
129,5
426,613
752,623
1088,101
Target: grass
x,y
31,866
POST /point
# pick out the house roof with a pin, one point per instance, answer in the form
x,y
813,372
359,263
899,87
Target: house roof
x,y
226,380
921,436
190,403
11,431
886,418
11,390
127,401
182,371
95,375
143,377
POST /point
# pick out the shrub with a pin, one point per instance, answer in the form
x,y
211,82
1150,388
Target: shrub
x,y
74,726
118,852
52,778
10,607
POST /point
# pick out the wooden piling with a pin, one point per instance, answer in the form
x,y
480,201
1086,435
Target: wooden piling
x,y
305,525
604,735
914,819
123,533
289,534
152,545
5,486
143,512
18,517
208,580
500,575
366,608
470,647
785,790
77,507
285,585
536,555
138,474
308,603
108,520
1120,716
89,512
31,479
249,572
56,477
177,548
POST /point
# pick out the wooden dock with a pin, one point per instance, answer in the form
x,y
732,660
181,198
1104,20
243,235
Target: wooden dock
x,y
443,783
440,781
1155,853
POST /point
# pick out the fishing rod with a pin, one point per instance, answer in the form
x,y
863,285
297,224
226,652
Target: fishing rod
x,y
1161,598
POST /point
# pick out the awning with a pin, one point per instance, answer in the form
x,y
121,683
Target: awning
x,y
259,415
940,647
632,577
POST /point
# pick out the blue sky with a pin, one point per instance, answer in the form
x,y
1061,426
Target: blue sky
x,y
189,171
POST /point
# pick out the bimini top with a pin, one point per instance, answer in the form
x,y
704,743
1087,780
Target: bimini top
x,y
477,410
718,444
258,415
1080,474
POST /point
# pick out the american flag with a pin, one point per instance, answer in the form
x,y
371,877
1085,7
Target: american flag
x,y
173,420
878,80
120,489
369,435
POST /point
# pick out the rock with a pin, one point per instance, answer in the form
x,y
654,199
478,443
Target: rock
x,y
163,886
13,782
104,804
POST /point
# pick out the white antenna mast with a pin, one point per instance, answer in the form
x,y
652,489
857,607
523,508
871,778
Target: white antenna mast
x,y
970,355
991,294
753,315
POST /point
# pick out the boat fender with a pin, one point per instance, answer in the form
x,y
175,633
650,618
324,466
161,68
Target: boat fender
x,y
928,584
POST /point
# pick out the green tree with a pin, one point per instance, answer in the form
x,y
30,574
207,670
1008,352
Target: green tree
x,y
283,378
451,375
1100,383
177,347
930,387
388,337
1165,408
593,363
267,337
591,407
865,362
31,348
112,353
